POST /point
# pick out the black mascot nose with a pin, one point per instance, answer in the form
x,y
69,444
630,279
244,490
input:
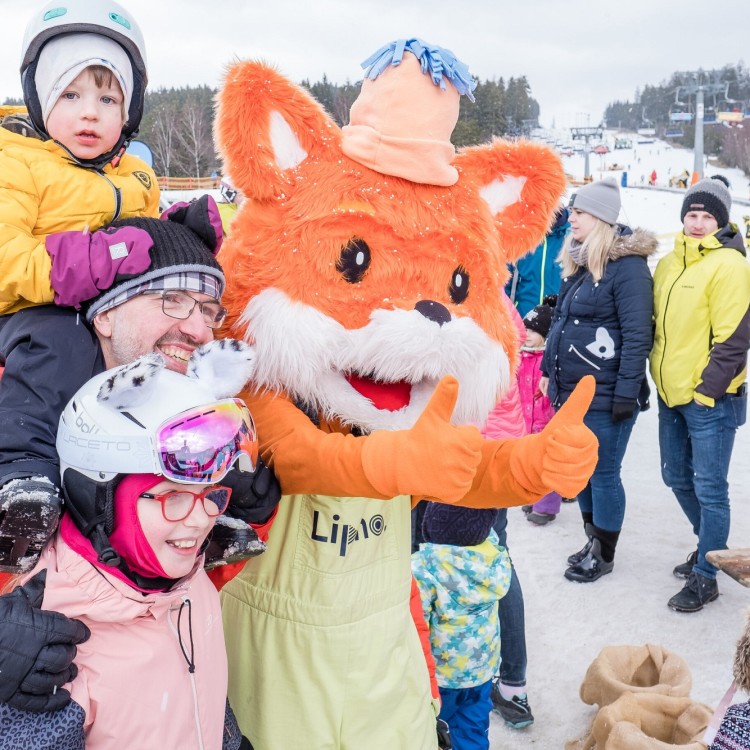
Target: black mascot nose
x,y
433,311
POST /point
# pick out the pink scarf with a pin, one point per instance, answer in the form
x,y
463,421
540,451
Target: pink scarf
x,y
127,539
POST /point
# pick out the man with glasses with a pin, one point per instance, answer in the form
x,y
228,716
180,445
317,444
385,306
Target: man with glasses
x,y
171,309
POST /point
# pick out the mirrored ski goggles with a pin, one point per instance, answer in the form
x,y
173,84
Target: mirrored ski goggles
x,y
200,445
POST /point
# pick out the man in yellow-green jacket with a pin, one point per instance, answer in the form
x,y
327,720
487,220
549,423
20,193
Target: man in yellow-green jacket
x,y
699,365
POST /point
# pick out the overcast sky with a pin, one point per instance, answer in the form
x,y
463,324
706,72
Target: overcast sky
x,y
578,55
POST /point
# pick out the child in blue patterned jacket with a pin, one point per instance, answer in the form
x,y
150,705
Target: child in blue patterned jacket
x,y
462,572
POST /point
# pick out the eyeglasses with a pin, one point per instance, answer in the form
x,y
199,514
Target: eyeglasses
x,y
180,305
201,444
176,505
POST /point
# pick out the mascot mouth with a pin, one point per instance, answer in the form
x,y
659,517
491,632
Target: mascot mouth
x,y
384,396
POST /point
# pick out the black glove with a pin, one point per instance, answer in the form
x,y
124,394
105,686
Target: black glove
x,y
37,648
254,494
622,410
444,735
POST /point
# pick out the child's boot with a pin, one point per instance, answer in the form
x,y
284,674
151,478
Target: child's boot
x,y
29,511
232,540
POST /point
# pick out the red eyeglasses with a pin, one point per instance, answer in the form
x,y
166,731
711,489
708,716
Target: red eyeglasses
x,y
176,505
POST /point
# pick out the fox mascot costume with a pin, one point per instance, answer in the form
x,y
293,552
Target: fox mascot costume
x,y
366,267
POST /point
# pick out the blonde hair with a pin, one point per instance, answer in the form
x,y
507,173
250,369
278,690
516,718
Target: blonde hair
x,y
597,247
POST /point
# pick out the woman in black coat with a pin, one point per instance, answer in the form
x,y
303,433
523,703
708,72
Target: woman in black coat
x,y
602,326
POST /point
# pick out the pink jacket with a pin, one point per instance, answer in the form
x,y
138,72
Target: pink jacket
x,y
537,409
133,682
506,419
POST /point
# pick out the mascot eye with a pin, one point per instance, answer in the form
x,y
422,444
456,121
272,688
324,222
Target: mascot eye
x,y
354,260
459,288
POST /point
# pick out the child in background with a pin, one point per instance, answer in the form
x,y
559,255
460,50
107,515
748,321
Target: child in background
x,y
733,722
127,560
537,409
462,572
63,176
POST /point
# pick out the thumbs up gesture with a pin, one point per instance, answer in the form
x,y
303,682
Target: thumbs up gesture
x,y
563,456
432,459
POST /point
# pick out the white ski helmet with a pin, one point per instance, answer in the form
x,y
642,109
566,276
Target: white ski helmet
x,y
144,419
85,16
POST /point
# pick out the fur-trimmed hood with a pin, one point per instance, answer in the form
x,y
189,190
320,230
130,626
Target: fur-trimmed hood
x,y
742,658
633,242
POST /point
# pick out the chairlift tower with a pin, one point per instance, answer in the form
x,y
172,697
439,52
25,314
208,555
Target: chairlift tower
x,y
586,134
699,89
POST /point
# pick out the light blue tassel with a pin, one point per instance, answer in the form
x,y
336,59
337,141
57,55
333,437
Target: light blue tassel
x,y
438,61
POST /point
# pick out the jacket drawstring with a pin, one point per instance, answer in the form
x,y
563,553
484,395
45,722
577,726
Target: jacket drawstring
x,y
190,659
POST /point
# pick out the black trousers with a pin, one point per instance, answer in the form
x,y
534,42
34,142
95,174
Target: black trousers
x,y
48,353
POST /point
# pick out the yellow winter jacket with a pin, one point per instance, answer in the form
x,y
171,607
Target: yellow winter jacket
x,y
701,297
43,191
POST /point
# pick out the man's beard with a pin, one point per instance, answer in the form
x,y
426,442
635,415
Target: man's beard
x,y
128,346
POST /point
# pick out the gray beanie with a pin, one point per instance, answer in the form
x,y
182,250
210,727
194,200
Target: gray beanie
x,y
600,199
709,195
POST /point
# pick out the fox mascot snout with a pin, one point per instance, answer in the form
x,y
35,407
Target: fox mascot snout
x,y
366,269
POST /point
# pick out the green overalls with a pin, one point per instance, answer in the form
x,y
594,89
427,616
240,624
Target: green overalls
x,y
323,652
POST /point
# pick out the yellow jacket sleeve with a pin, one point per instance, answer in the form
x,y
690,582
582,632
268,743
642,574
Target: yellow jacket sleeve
x,y
24,263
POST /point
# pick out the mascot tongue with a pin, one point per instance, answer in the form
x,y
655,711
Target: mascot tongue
x,y
388,396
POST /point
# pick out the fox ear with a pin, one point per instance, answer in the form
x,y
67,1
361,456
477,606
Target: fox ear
x,y
224,366
267,126
521,183
133,384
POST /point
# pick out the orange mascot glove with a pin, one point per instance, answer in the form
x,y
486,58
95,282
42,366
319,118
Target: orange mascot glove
x,y
563,456
434,458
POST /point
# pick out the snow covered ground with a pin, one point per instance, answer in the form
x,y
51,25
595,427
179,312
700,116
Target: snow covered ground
x,y
567,624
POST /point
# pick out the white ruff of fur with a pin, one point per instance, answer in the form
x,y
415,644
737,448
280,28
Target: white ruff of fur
x,y
305,353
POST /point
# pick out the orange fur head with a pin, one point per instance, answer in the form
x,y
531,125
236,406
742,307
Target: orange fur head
x,y
361,290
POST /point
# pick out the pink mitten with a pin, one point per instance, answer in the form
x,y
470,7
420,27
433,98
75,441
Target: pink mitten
x,y
85,264
202,216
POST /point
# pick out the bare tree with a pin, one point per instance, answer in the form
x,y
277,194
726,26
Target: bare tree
x,y
194,137
163,137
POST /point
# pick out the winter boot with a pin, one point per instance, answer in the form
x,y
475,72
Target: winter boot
x,y
588,523
540,519
527,509
698,590
232,540
29,511
683,570
595,564
592,567
515,711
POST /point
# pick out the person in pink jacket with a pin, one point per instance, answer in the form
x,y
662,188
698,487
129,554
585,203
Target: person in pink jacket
x,y
143,453
537,409
508,692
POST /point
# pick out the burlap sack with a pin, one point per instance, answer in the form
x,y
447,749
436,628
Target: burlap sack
x,y
648,721
649,669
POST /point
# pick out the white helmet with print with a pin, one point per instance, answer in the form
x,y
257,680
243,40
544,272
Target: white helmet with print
x,y
144,419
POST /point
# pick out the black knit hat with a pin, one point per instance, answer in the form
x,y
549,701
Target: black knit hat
x,y
539,318
184,245
709,195
451,524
